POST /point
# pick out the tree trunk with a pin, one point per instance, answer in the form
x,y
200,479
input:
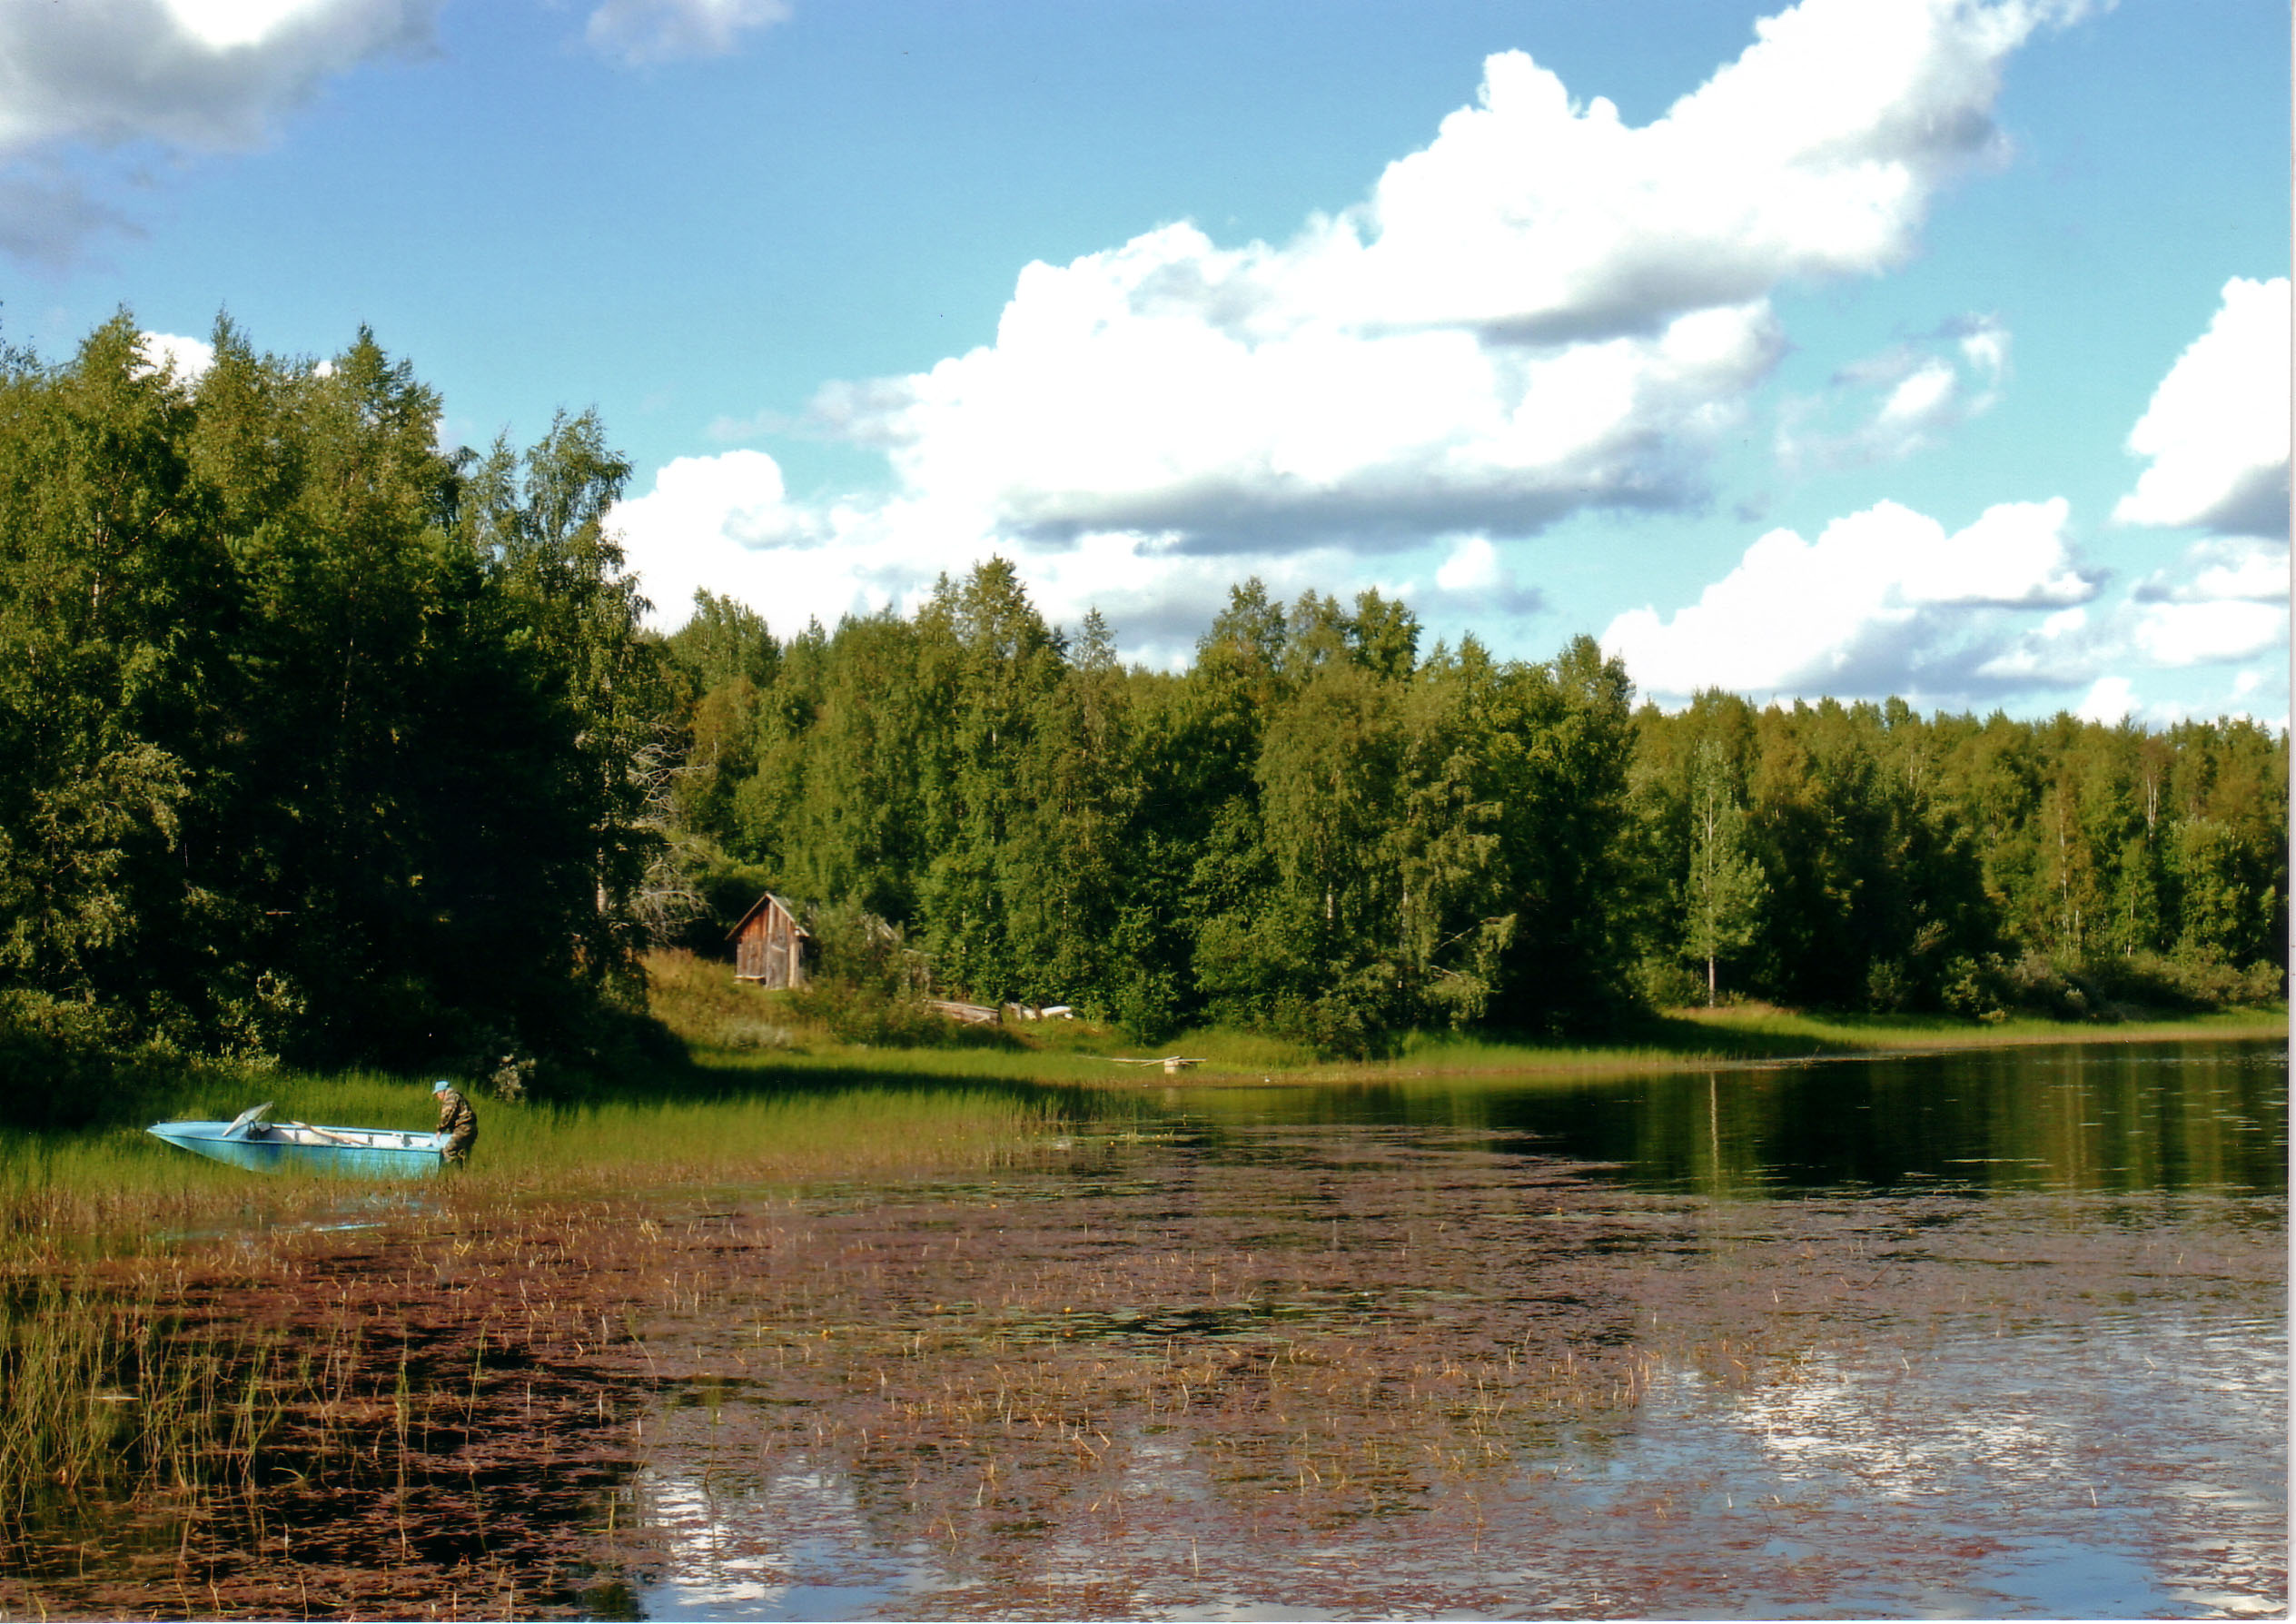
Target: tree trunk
x,y
1710,981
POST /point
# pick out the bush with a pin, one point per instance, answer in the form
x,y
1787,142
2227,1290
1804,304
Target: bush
x,y
868,986
2038,986
1971,987
1889,989
1666,983
65,1063
2117,986
2188,982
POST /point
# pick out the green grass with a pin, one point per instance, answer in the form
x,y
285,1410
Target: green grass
x,y
742,1032
72,1198
1755,1026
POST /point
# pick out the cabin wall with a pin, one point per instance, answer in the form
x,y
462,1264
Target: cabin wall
x,y
770,951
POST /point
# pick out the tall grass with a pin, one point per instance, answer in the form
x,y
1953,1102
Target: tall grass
x,y
115,1191
117,1386
112,1391
1753,1022
848,1131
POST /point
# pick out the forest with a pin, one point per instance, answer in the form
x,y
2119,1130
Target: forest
x,y
320,744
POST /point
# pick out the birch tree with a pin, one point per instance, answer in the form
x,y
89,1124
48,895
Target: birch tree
x,y
1725,889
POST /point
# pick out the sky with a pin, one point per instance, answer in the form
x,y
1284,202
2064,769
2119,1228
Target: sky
x,y
1929,348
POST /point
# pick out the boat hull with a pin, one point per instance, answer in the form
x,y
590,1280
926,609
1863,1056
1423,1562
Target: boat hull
x,y
268,1147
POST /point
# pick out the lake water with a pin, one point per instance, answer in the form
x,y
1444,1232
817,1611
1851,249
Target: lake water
x,y
1991,1334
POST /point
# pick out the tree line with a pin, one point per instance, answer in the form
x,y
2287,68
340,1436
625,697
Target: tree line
x,y
1322,829
320,742
316,741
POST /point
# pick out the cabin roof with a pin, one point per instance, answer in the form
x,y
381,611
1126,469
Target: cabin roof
x,y
758,907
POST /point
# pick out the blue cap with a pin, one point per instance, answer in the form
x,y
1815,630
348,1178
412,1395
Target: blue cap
x,y
441,1086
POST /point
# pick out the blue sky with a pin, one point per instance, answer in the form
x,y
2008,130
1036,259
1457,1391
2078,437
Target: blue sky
x,y
1927,347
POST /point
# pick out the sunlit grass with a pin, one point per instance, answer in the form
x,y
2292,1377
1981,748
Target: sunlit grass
x,y
745,1033
699,999
1876,1031
116,1190
757,1139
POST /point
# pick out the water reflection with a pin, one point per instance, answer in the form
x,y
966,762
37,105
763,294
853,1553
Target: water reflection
x,y
2086,1117
1998,1334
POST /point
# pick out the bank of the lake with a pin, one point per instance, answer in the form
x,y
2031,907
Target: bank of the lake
x,y
1074,1055
748,1035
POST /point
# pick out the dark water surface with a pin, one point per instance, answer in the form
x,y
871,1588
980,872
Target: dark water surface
x,y
1990,1334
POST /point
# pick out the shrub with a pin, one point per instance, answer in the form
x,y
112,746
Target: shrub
x,y
1665,982
868,986
2183,981
2036,984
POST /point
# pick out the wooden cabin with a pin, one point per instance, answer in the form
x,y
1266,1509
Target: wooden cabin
x,y
769,944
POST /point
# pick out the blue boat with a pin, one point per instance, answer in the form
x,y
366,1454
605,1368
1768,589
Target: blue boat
x,y
247,1141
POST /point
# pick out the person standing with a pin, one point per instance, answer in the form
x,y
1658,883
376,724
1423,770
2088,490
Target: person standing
x,y
457,1124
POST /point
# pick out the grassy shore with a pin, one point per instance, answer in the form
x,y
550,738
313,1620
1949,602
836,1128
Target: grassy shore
x,y
768,1097
736,1030
69,1199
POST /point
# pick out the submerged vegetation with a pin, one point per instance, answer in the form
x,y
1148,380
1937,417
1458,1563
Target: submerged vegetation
x,y
1196,1349
245,1361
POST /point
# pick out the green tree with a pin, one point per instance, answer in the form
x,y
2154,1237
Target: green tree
x,y
537,520
1725,889
1561,740
285,766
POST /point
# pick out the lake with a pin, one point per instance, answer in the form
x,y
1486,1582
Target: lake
x,y
1994,1334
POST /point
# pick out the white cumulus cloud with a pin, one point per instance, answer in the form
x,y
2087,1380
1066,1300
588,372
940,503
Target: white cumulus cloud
x,y
2108,700
2217,428
196,75
1884,602
1479,580
1545,310
2214,633
2221,566
187,357
725,523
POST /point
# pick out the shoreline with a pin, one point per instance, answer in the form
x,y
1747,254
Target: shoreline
x,y
1595,1063
1746,1041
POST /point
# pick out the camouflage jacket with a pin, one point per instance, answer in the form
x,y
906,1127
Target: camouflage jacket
x,y
456,1119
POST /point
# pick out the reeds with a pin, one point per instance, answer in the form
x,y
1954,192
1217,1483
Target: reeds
x,y
113,1394
176,1337
118,1191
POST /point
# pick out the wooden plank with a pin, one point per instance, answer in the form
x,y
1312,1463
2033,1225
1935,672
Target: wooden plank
x,y
977,1014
